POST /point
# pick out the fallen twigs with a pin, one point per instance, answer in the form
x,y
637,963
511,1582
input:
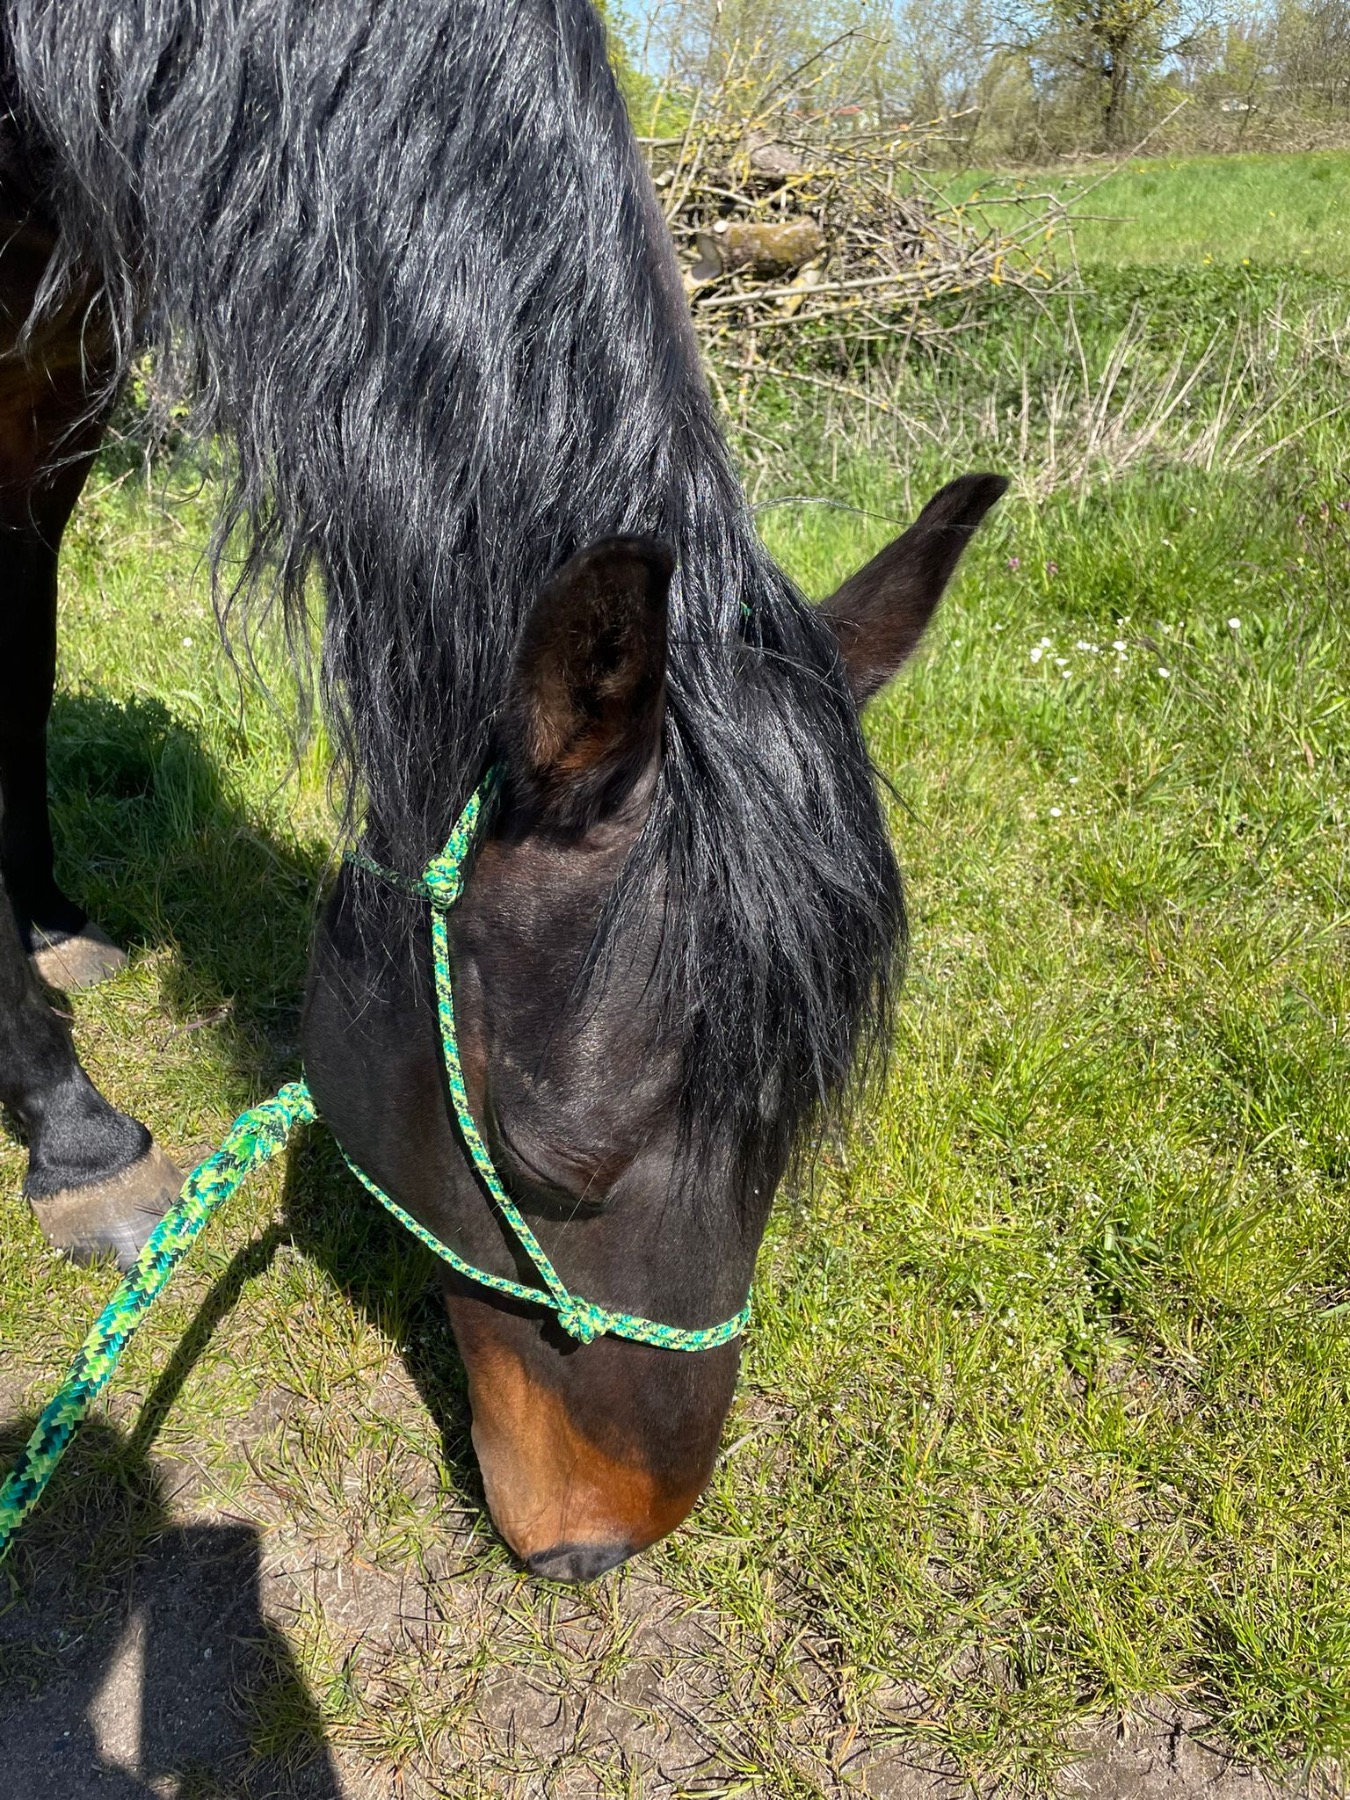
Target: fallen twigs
x,y
787,218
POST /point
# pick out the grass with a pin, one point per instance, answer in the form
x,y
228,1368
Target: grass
x,y
1286,212
1089,1259
1044,1413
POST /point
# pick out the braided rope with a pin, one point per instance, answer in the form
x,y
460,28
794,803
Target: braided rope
x,y
255,1137
258,1135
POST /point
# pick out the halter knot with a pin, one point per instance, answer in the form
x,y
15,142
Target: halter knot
x,y
271,1121
582,1319
443,880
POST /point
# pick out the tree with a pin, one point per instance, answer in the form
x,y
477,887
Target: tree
x,y
818,53
1106,48
1311,53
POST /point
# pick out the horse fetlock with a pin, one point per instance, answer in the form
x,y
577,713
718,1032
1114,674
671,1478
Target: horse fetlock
x,y
75,1136
113,1216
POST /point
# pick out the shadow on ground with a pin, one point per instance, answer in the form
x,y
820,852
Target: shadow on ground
x,y
134,1651
133,1648
150,840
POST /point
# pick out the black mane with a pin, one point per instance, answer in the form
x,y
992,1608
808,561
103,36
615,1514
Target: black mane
x,y
413,267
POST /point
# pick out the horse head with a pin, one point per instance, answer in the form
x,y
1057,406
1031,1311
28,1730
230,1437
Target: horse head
x,y
576,1074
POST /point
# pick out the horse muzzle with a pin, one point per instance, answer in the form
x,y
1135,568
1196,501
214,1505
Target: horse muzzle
x,y
588,1453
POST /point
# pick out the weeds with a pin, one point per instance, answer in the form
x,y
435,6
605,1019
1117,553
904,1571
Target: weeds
x,y
1067,397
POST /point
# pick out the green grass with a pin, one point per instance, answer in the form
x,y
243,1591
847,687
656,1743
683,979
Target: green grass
x,y
1089,1260
1263,211
1045,1409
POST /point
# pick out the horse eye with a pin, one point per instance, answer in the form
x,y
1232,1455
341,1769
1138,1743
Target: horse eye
x,y
560,1184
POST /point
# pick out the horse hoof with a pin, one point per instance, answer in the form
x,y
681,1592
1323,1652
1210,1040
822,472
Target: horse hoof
x,y
113,1217
80,960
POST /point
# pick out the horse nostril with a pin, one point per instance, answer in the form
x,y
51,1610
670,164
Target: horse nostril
x,y
577,1562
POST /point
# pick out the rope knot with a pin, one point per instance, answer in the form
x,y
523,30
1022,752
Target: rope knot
x,y
582,1320
443,880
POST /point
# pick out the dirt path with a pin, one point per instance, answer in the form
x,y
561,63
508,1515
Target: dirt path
x,y
159,1686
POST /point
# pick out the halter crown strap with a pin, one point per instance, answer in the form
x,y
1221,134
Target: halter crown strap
x,y
441,885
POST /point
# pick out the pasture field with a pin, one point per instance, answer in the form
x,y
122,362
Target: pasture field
x,y
1265,211
1044,1430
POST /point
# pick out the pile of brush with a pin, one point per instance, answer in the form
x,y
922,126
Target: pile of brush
x,y
784,220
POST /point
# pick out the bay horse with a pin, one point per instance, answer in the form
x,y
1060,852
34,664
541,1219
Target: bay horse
x,y
406,258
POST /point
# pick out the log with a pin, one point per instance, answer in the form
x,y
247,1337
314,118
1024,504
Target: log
x,y
747,247
772,159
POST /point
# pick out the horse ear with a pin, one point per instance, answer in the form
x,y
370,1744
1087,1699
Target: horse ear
x,y
880,613
584,710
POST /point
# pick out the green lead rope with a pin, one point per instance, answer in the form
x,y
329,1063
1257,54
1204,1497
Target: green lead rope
x,y
255,1137
258,1135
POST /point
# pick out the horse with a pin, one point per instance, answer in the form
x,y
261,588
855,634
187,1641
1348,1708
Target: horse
x,y
406,260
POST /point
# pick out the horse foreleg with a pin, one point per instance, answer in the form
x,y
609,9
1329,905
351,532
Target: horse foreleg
x,y
67,950
96,1181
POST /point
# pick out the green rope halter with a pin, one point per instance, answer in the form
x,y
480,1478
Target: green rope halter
x,y
258,1135
441,884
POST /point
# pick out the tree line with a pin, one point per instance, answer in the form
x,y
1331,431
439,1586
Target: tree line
x,y
1010,80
